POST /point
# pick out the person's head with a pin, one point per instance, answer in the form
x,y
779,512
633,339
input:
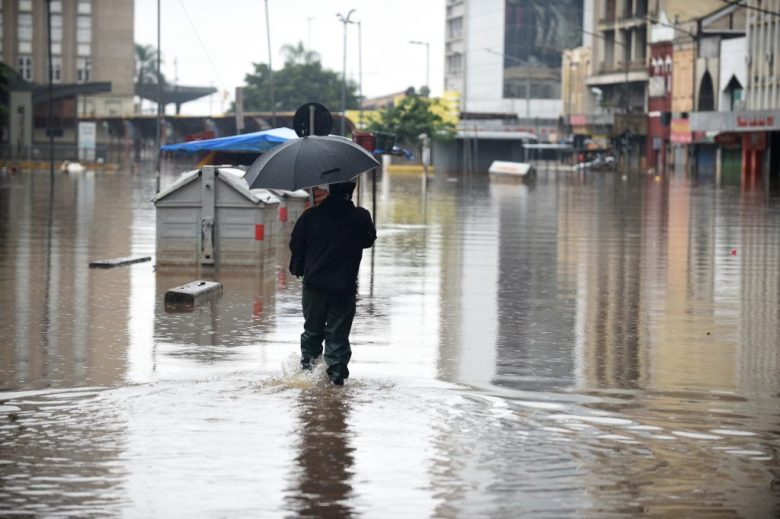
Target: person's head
x,y
320,194
342,190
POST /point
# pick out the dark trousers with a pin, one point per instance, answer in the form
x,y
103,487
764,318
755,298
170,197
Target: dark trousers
x,y
329,317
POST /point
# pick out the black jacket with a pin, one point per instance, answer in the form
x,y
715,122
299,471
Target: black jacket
x,y
327,245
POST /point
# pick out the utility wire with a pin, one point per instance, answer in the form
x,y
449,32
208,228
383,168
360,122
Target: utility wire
x,y
673,26
743,3
205,50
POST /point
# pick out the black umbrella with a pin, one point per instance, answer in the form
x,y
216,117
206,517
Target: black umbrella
x,y
309,161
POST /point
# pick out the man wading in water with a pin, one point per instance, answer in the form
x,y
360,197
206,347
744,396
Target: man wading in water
x,y
327,245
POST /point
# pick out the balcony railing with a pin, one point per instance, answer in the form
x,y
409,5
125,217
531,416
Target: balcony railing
x,y
607,20
638,65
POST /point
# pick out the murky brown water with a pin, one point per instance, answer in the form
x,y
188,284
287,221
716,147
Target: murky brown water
x,y
588,346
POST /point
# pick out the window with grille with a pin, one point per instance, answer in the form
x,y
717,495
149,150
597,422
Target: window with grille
x,y
455,28
56,69
454,64
83,70
25,67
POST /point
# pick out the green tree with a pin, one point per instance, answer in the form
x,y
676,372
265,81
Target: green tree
x,y
146,65
299,54
302,80
413,116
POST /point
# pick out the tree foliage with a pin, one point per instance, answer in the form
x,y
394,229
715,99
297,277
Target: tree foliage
x,y
302,80
299,54
146,65
414,115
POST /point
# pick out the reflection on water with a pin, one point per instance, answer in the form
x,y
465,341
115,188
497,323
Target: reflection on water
x,y
322,482
589,345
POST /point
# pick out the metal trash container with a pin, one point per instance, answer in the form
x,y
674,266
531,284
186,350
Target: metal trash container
x,y
210,217
292,204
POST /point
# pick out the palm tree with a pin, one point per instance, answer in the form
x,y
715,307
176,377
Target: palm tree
x,y
145,64
298,54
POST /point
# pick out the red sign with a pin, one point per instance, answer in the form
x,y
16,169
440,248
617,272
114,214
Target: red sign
x,y
282,214
259,232
755,121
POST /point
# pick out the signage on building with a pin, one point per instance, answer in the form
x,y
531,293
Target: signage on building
x,y
756,120
87,140
740,121
681,131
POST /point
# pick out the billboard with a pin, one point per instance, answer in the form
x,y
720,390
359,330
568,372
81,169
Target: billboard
x,y
535,34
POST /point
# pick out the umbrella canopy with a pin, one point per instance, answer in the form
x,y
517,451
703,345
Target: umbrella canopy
x,y
257,142
309,161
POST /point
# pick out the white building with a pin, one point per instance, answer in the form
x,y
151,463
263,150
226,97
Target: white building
x,y
763,37
504,56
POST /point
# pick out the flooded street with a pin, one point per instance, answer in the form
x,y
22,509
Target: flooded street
x,y
589,345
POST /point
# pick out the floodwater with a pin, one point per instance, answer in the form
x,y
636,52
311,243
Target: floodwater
x,y
591,345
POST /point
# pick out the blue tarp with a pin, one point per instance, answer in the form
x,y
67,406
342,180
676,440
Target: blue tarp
x,y
256,142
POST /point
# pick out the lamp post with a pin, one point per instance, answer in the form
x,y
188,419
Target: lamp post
x,y
159,102
270,68
427,60
360,72
49,115
345,20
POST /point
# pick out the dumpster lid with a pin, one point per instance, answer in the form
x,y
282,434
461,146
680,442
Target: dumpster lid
x,y
240,185
265,195
283,193
231,176
184,179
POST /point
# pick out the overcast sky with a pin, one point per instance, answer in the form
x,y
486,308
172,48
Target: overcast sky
x,y
215,42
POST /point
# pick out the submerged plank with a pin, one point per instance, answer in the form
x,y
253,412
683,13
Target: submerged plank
x,y
116,262
193,292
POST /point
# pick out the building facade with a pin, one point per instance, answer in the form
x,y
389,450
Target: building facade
x,y
737,105
504,56
91,40
659,100
763,41
618,67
